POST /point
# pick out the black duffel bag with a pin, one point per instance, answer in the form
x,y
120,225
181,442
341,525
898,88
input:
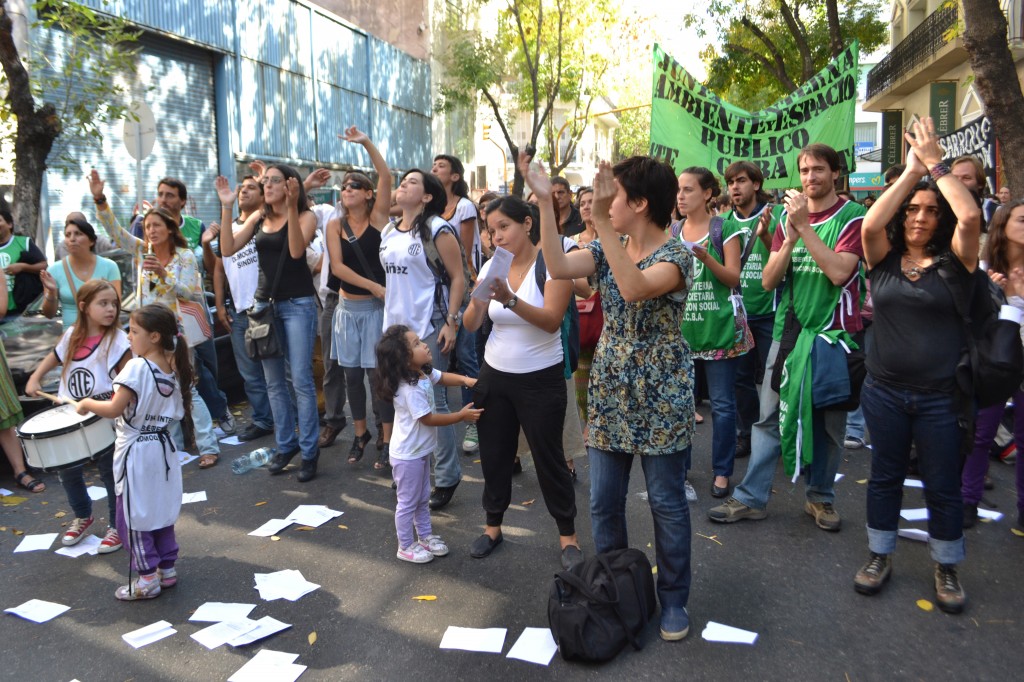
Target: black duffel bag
x,y
601,605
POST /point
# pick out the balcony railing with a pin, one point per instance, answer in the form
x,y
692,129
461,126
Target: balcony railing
x,y
916,48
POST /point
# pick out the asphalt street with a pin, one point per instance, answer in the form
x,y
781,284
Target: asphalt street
x,y
780,577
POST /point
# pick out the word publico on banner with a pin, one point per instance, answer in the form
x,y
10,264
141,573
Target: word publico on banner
x,y
692,126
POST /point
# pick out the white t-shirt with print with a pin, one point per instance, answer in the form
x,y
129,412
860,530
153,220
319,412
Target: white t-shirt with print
x,y
466,210
410,438
409,289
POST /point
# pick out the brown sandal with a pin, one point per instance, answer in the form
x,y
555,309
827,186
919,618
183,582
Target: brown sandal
x,y
208,460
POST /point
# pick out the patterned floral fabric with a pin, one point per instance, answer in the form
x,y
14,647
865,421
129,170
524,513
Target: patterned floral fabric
x,y
641,381
744,343
182,279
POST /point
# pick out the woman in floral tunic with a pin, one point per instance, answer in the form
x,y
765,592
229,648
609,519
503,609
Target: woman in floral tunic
x,y
641,382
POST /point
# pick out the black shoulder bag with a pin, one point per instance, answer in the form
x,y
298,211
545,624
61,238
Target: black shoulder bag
x,y
261,341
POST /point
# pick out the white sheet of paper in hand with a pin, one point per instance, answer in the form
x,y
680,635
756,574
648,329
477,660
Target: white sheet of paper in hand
x,y
484,640
221,633
193,497
96,493
989,514
269,666
271,527
218,612
184,458
500,264
149,634
90,544
230,440
913,483
717,632
265,627
37,610
913,534
314,515
914,514
535,645
35,543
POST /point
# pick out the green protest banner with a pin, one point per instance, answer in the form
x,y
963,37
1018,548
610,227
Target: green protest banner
x,y
691,126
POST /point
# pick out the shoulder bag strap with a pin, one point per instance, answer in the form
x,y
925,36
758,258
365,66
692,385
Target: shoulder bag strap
x,y
351,237
280,261
71,278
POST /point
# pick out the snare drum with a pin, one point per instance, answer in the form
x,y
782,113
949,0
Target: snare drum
x,y
60,438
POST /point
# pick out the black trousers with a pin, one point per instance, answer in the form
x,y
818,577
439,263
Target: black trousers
x,y
536,402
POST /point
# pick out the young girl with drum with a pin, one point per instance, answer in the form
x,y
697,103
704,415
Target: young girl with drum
x,y
92,352
147,399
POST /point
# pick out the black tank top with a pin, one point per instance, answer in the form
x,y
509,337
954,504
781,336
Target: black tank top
x,y
296,280
369,243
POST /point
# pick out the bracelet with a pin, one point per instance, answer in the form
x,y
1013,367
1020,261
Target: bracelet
x,y
100,200
939,170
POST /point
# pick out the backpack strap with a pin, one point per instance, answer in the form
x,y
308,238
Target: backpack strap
x,y
351,237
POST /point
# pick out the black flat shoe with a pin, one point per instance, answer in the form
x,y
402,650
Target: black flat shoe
x,y
719,492
308,470
484,545
441,496
280,461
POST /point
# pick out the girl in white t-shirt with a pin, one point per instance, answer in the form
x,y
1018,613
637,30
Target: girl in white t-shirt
x,y
147,399
406,378
92,352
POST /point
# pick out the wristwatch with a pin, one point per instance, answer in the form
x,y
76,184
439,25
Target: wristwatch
x,y
512,303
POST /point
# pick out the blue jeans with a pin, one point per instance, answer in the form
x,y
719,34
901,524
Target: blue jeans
x,y
251,372
469,362
206,441
295,324
73,480
765,450
205,361
928,419
665,476
447,467
750,373
855,427
721,378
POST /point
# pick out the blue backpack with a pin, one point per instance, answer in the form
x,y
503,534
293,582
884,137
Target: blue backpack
x,y
570,322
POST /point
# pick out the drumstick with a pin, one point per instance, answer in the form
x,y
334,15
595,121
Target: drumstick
x,y
57,400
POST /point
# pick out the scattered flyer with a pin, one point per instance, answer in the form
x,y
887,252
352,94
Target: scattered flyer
x,y
913,534
184,458
535,645
38,611
265,627
200,496
35,543
4,492
96,493
484,640
149,634
90,545
269,666
218,612
221,633
716,632
314,515
271,527
287,584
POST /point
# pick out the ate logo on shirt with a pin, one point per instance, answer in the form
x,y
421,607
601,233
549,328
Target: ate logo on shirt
x,y
414,249
81,383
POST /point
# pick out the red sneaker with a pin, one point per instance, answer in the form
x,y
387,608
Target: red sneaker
x,y
111,542
76,531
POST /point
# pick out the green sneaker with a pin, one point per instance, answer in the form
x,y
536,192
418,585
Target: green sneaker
x,y
471,442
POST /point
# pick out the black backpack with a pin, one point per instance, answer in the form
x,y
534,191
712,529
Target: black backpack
x,y
601,605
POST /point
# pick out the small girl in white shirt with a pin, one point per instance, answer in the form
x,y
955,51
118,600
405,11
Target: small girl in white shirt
x,y
405,377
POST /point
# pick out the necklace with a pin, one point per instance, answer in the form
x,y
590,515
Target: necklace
x,y
915,271
522,273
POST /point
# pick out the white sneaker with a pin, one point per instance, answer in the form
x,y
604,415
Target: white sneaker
x,y
471,441
416,554
227,423
435,545
691,494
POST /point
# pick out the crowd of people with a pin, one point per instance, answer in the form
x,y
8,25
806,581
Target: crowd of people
x,y
758,304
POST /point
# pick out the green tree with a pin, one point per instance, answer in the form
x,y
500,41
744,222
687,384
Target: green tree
x,y
541,52
74,99
768,49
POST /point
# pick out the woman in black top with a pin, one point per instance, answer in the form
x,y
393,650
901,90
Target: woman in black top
x,y
359,317
917,226
283,230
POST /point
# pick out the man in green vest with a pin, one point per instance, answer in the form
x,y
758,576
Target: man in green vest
x,y
817,250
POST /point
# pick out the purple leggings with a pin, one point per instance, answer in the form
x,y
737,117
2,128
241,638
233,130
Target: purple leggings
x,y
976,466
412,478
149,549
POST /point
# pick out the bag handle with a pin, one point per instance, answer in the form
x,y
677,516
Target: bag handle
x,y
70,276
351,237
280,262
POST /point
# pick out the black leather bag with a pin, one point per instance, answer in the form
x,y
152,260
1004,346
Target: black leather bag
x,y
601,605
261,341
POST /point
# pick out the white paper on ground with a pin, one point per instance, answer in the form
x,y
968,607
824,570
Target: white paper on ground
x,y
989,514
913,483
34,543
193,497
913,534
914,514
218,612
37,610
717,632
271,527
535,645
149,634
265,627
501,263
90,544
314,515
184,458
219,432
221,633
4,492
96,493
269,666
230,440
288,584
484,640
839,477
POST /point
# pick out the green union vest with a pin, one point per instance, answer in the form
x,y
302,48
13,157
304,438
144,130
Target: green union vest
x,y
757,301
11,253
191,229
709,322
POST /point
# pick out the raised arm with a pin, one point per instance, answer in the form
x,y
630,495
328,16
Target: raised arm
x,y
382,205
836,266
230,240
299,239
124,239
451,255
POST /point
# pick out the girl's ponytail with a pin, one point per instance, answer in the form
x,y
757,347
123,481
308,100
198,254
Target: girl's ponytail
x,y
186,376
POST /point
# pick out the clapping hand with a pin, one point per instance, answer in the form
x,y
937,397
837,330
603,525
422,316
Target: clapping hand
x,y
96,184
292,192
604,190
535,176
354,135
225,192
924,144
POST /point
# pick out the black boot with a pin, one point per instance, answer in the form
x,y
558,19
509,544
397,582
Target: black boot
x,y
308,470
280,461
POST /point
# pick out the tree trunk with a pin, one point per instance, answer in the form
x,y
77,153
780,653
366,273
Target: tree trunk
x,y
32,144
835,36
995,79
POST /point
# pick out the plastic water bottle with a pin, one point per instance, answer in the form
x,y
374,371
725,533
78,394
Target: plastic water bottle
x,y
253,460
